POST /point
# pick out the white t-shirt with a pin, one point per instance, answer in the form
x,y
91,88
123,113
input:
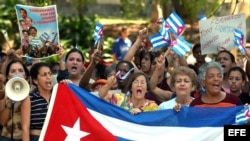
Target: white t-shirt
x,y
168,104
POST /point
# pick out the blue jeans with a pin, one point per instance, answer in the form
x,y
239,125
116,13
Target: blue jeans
x,y
2,138
34,138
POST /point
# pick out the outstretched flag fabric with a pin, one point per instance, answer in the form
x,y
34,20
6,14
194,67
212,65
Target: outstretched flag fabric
x,y
243,116
239,40
158,41
176,23
165,29
98,34
181,47
76,115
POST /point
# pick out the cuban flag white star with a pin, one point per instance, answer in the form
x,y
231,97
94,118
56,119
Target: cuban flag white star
x,y
74,133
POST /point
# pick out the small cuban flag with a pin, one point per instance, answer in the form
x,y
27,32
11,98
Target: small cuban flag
x,y
239,40
98,34
243,116
165,29
158,41
202,17
176,23
180,46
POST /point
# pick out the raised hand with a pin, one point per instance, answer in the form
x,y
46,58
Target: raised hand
x,y
60,52
96,56
143,33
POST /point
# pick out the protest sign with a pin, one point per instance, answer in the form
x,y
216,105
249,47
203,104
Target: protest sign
x,y
38,27
218,33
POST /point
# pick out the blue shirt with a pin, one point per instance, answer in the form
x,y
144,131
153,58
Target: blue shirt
x,y
121,47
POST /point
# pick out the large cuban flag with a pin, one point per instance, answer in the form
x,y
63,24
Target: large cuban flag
x,y
76,115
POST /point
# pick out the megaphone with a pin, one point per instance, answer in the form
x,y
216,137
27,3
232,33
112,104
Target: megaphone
x,y
17,88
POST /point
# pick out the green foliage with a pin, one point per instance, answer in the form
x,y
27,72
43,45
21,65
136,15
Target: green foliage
x,y
132,8
39,2
78,31
107,48
191,9
8,19
195,8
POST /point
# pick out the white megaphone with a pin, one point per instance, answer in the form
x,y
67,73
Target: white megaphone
x,y
17,88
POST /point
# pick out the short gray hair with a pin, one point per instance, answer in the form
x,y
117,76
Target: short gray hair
x,y
203,69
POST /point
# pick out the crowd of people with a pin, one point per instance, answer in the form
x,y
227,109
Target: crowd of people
x,y
140,80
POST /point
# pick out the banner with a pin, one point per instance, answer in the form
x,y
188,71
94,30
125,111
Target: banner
x,y
217,33
38,27
77,115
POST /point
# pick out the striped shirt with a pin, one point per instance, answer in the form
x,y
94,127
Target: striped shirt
x,y
39,108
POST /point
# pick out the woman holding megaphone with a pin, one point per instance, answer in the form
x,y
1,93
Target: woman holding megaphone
x,y
10,114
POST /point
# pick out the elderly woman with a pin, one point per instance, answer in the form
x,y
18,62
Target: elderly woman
x,y
183,82
136,102
211,75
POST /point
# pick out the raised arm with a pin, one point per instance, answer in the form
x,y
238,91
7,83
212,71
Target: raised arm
x,y
174,60
60,54
63,73
104,92
160,94
136,46
18,53
95,59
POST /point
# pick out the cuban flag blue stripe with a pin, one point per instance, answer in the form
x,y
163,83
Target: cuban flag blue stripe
x,y
98,29
175,21
238,37
178,50
184,44
164,31
171,118
97,33
193,123
243,116
190,124
181,47
157,41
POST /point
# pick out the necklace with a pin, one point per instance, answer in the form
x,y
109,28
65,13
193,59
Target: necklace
x,y
131,105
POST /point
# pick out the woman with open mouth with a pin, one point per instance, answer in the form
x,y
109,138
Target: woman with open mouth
x,y
211,77
227,61
135,102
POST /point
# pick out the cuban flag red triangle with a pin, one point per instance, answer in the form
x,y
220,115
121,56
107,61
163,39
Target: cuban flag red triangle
x,y
180,30
69,120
